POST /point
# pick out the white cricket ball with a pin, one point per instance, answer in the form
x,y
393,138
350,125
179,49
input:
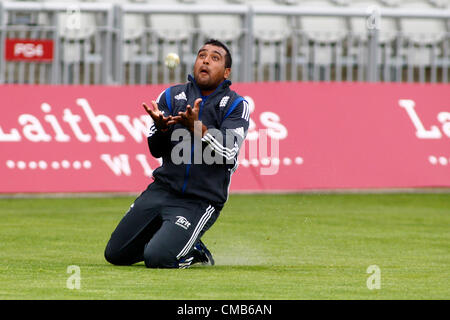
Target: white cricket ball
x,y
172,60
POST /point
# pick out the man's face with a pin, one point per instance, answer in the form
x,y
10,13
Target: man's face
x,y
209,68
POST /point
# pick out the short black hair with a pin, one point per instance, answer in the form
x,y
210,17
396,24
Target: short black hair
x,y
217,43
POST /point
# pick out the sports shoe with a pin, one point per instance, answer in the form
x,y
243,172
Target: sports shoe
x,y
202,254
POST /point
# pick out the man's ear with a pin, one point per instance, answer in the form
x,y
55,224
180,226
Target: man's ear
x,y
227,73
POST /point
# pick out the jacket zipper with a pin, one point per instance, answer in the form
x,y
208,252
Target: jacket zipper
x,y
188,166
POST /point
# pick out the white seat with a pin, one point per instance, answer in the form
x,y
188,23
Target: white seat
x,y
220,26
271,33
134,26
322,29
387,27
319,35
75,28
73,24
269,28
173,33
422,31
171,27
228,28
424,36
134,47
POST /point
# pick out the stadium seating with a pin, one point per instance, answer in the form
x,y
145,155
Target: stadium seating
x,y
425,42
283,47
387,29
422,31
174,33
226,27
229,28
271,33
318,41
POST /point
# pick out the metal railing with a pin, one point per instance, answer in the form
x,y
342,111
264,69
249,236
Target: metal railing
x,y
102,43
147,38
370,53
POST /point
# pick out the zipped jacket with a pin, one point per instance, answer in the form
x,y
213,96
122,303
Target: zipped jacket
x,y
200,167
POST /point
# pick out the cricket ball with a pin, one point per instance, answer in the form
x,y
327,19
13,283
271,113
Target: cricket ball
x,y
172,60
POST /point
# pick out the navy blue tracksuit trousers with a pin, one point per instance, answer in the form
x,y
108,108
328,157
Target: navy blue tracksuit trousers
x,y
160,228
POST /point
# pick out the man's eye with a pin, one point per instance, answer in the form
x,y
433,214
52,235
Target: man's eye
x,y
215,58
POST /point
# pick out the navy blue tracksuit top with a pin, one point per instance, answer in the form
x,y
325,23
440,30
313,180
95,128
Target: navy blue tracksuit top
x,y
226,115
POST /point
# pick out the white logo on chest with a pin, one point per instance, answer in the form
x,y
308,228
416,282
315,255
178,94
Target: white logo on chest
x,y
224,101
181,96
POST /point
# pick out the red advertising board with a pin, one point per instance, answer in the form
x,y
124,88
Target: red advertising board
x,y
302,136
29,50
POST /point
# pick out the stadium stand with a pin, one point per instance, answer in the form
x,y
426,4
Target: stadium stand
x,y
271,34
320,40
126,41
174,33
359,37
227,27
424,42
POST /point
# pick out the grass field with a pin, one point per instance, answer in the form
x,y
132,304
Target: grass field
x,y
304,246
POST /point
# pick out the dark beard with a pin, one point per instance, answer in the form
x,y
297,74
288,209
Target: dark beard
x,y
206,87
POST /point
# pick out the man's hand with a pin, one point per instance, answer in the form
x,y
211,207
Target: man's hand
x,y
189,117
161,122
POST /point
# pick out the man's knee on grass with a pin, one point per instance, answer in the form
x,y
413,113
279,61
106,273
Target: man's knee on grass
x,y
116,257
158,258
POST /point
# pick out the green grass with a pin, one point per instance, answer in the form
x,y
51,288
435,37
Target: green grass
x,y
265,246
